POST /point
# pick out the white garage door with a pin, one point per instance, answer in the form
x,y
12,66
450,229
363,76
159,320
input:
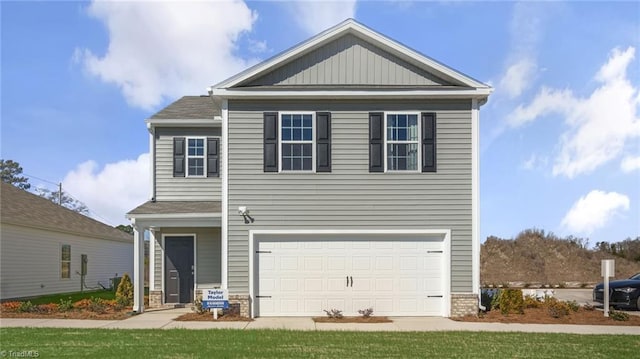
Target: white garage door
x,y
301,277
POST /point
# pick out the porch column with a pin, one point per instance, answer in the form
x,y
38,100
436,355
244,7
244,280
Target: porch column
x,y
138,269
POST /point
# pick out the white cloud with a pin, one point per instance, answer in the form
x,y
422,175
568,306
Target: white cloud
x,y
598,125
315,16
167,49
594,211
534,162
630,164
112,191
518,77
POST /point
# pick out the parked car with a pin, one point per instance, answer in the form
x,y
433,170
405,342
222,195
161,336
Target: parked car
x,y
622,293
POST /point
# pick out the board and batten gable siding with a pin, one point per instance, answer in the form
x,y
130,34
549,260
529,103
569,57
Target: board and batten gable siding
x,y
348,60
169,188
349,197
208,255
30,261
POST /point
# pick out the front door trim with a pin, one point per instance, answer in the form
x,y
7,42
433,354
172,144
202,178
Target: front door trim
x,y
195,264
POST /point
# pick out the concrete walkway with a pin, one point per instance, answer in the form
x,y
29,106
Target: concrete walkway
x,y
163,319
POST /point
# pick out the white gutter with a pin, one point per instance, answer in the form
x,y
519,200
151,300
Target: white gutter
x,y
355,94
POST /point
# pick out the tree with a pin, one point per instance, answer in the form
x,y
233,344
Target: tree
x,y
65,200
128,228
11,174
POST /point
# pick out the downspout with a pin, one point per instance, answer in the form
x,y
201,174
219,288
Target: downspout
x,y
152,159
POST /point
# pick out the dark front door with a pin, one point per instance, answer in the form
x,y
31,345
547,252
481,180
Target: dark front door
x,y
179,269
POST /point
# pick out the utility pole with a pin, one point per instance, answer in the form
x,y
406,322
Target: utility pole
x,y
60,193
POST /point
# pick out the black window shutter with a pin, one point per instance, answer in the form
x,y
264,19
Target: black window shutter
x,y
323,142
178,156
270,150
376,142
213,157
428,142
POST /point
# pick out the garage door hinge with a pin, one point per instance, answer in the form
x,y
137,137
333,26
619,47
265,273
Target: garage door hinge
x,y
434,251
263,296
263,251
434,296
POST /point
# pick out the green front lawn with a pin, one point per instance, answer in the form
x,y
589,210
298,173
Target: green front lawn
x,y
111,343
76,296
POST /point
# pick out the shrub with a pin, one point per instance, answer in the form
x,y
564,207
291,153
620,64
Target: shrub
x,y
511,301
617,315
573,305
26,307
588,307
366,313
11,306
82,304
65,305
197,306
47,308
124,294
530,301
556,308
97,305
334,313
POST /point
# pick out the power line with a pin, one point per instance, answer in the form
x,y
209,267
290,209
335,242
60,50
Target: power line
x,y
59,187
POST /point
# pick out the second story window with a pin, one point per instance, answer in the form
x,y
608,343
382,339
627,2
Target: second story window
x,y
195,156
296,131
402,142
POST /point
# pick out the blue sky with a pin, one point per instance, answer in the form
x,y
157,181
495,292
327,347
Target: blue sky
x,y
560,136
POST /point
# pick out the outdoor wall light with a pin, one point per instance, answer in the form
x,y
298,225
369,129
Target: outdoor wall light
x,y
244,212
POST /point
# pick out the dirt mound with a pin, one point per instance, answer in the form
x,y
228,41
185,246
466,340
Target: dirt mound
x,y
534,257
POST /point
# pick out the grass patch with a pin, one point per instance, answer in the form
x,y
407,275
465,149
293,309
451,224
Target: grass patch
x,y
110,343
75,296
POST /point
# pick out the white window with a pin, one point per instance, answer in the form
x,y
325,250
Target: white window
x,y
65,261
196,157
402,146
297,142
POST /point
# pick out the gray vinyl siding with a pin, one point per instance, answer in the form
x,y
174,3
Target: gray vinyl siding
x,y
169,188
30,261
350,197
208,255
348,60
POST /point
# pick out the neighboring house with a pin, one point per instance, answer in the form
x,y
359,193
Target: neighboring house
x,y
42,245
342,173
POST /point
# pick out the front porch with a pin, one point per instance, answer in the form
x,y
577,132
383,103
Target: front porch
x,y
185,250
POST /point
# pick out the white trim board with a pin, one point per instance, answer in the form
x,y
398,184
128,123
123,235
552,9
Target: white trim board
x,y
224,245
364,234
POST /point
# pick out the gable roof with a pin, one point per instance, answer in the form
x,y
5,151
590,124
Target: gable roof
x,y
22,208
462,84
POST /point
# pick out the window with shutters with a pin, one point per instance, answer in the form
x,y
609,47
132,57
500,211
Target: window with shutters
x,y
196,157
402,141
297,148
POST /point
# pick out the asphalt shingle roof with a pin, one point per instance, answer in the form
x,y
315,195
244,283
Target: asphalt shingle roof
x,y
169,207
22,208
189,108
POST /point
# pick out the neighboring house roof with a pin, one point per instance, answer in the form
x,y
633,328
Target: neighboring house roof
x,y
173,207
356,34
22,208
189,108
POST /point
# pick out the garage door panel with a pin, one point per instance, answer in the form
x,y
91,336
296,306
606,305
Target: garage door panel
x,y
393,277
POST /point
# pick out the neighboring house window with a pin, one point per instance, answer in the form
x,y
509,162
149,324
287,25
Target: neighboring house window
x,y
65,261
296,131
195,156
402,142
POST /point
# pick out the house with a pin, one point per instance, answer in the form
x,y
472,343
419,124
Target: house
x,y
46,248
342,173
